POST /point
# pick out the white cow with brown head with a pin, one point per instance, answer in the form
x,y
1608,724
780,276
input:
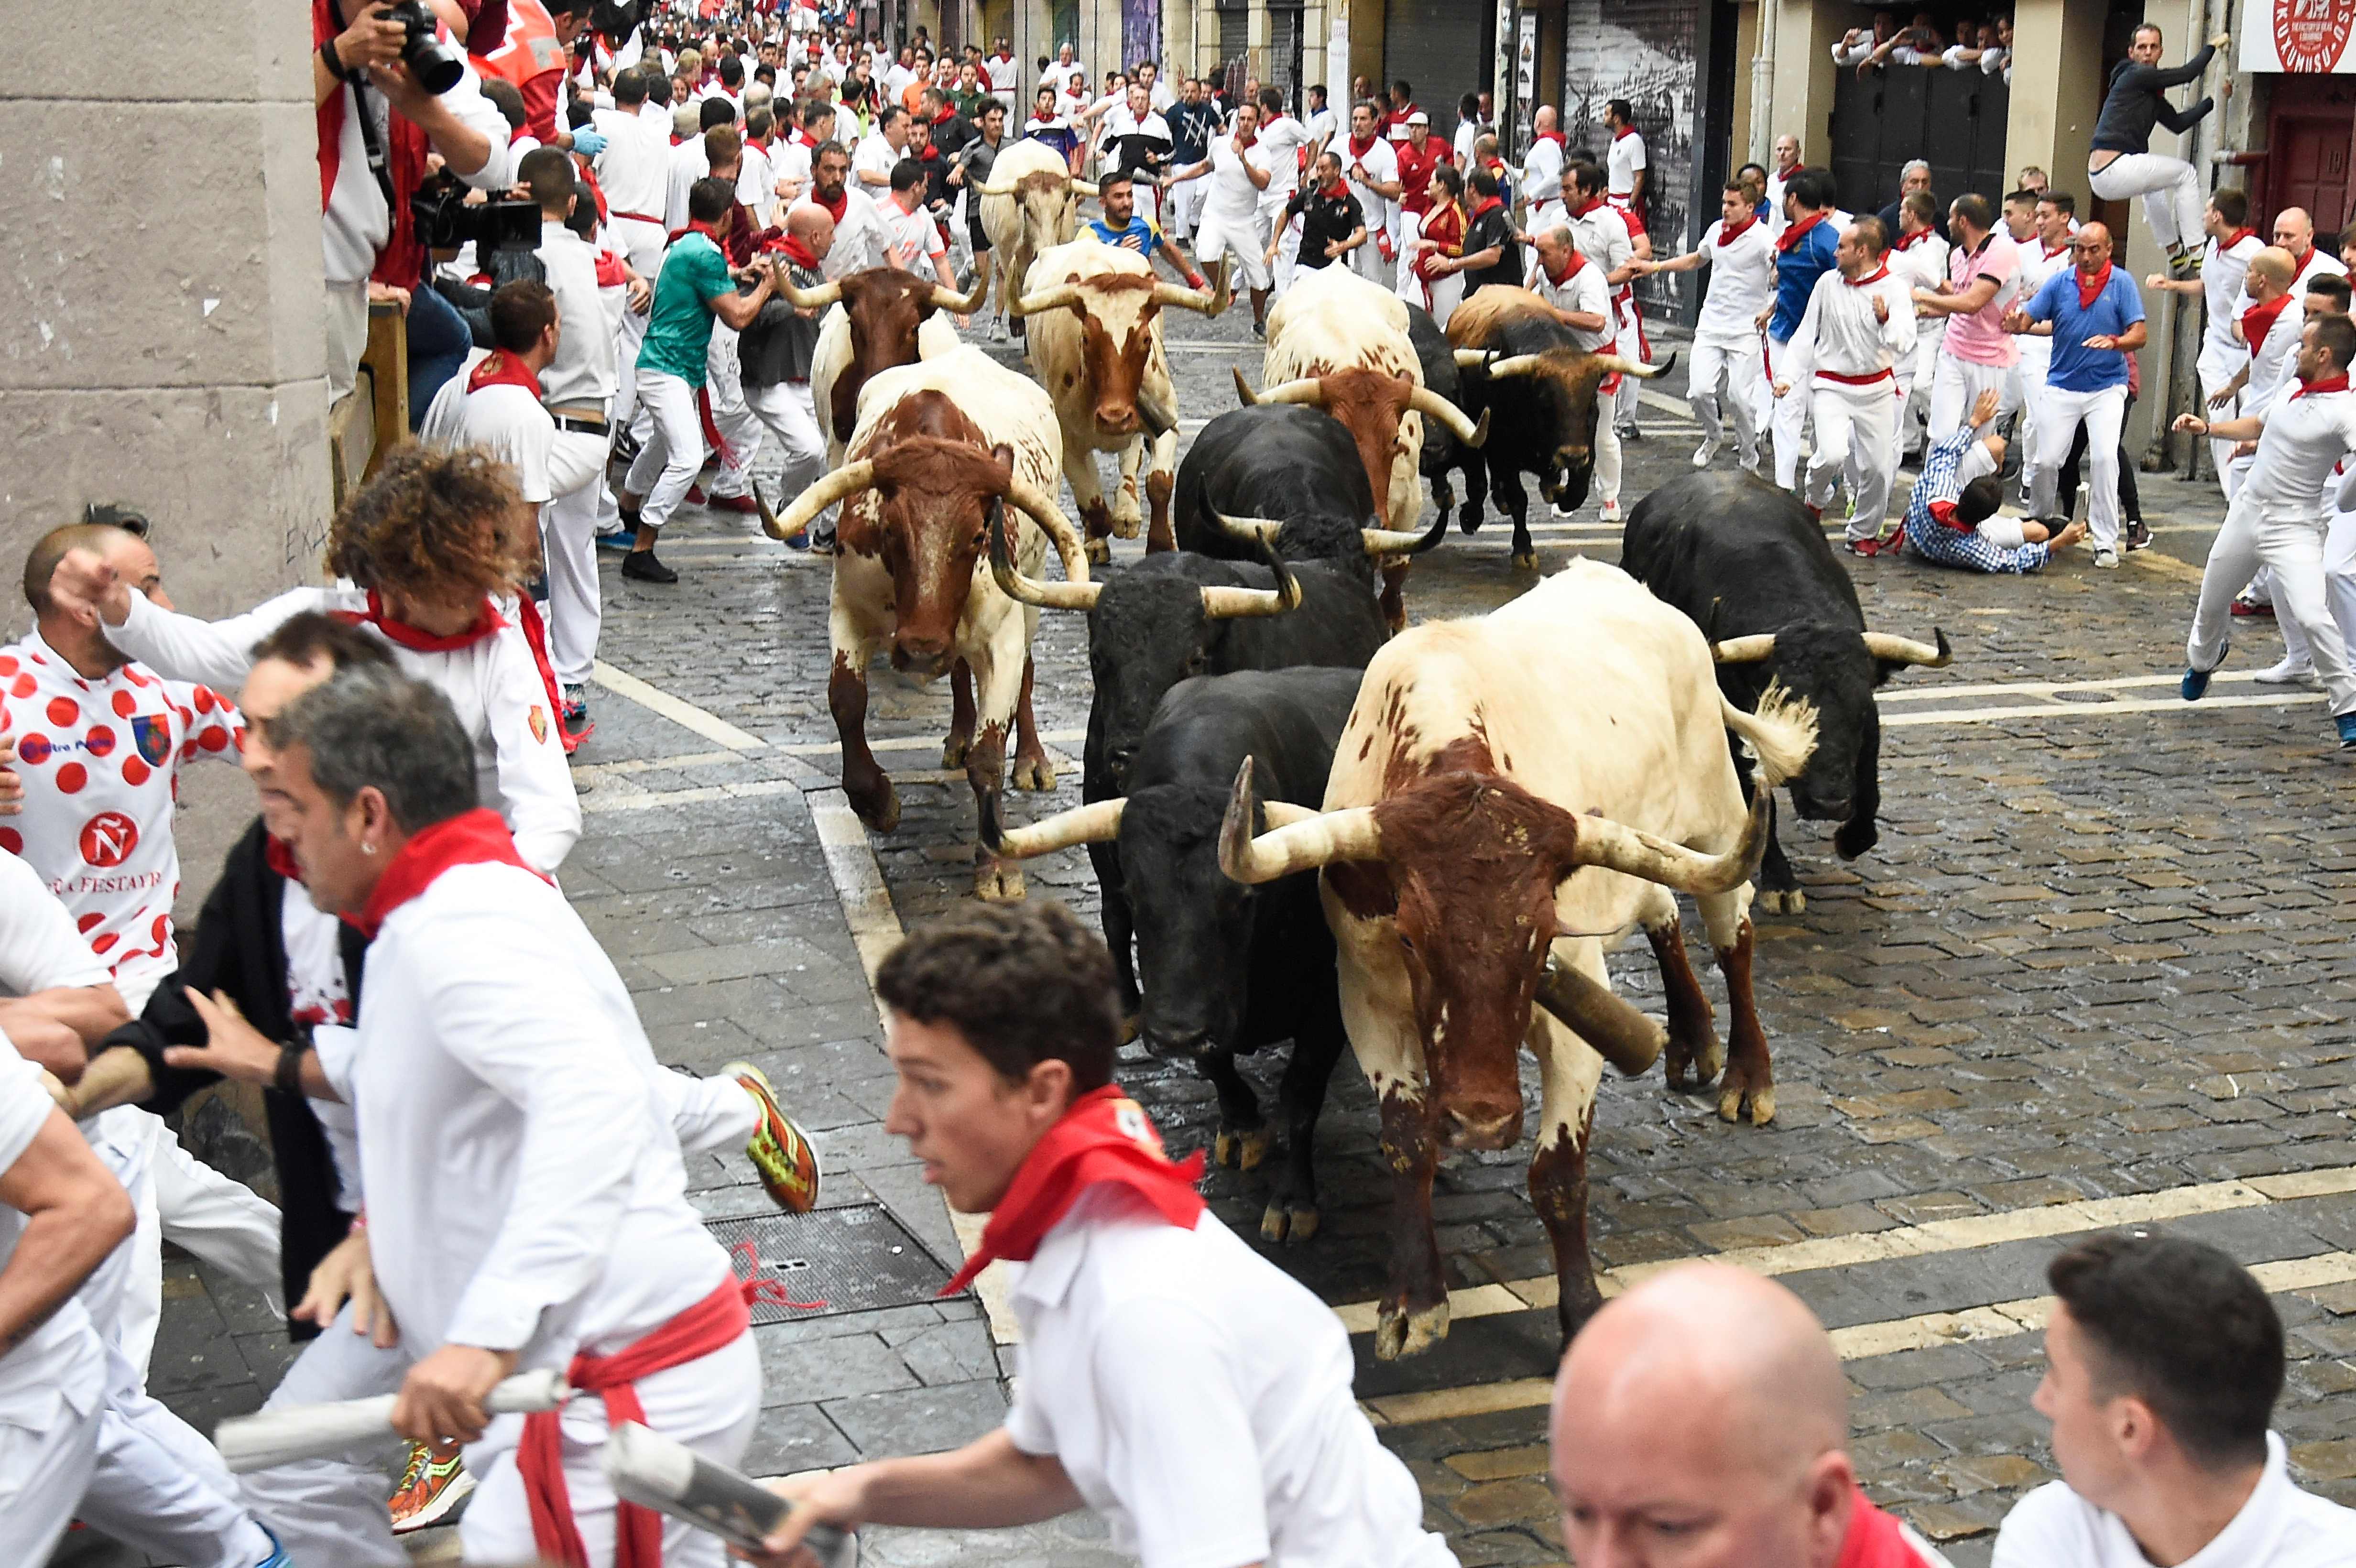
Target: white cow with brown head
x,y
1030,203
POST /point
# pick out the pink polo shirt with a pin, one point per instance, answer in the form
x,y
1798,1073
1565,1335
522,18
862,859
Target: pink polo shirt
x,y
1980,338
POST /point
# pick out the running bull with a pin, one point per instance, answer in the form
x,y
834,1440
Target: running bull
x,y
1483,836
1751,566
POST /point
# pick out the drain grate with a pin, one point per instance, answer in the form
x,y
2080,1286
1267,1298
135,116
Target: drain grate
x,y
852,1259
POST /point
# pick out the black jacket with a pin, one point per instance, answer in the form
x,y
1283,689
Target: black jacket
x,y
2134,103
238,947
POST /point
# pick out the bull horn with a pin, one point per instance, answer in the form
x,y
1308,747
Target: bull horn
x,y
769,524
1308,389
1755,649
1086,189
1906,650
1032,591
1432,405
1251,530
1303,846
966,303
1634,852
1244,396
1404,542
1619,1034
1609,363
1063,296
1515,365
1471,358
1221,602
1206,300
1041,509
989,188
819,298
824,492
1095,823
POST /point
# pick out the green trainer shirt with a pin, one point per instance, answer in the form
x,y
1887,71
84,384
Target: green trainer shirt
x,y
679,327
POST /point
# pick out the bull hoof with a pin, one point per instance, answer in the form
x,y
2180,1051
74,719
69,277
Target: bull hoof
x,y
879,812
1126,522
1099,553
1031,773
1525,561
1733,1100
1468,519
1130,1025
1399,1333
1691,1074
997,882
1242,1150
1776,902
953,751
1294,1222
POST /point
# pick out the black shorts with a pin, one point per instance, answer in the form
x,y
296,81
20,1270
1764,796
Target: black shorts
x,y
975,232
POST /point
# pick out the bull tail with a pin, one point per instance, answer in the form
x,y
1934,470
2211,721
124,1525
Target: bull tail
x,y
1781,734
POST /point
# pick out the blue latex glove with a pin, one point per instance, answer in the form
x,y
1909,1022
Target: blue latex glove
x,y
588,142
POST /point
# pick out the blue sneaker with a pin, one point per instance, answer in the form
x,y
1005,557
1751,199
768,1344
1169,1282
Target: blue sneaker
x,y
620,538
2195,684
2347,723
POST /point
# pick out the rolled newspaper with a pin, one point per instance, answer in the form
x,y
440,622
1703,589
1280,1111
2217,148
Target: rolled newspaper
x,y
652,1471
282,1437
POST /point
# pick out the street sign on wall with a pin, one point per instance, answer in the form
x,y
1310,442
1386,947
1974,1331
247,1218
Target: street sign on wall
x,y
2307,37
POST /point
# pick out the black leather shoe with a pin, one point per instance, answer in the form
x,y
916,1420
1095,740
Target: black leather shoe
x,y
640,566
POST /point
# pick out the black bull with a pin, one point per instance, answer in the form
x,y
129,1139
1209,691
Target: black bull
x,y
1227,967
1756,573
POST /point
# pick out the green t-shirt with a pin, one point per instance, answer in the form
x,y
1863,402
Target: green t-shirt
x,y
679,327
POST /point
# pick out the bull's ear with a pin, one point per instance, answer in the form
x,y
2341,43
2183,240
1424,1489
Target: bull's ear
x,y
1004,455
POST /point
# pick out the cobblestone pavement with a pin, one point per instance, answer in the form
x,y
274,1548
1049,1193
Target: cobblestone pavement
x,y
2097,971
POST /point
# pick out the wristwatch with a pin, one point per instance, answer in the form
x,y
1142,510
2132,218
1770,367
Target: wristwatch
x,y
289,1076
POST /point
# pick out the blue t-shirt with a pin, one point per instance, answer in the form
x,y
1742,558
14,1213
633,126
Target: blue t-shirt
x,y
1140,236
1797,272
2076,367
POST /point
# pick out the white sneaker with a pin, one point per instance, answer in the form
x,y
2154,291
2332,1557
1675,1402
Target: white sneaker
x,y
2108,558
1704,452
2288,673
1608,511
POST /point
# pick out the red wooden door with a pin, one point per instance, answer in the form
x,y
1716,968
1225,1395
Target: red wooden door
x,y
2309,132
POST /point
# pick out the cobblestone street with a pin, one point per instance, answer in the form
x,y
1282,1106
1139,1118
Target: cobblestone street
x,y
2098,971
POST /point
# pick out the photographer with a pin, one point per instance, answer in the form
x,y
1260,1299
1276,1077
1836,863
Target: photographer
x,y
378,125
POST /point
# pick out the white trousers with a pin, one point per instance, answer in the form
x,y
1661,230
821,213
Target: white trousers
x,y
2338,594
1367,261
2061,412
1631,345
2170,191
1787,419
568,543
2027,393
724,386
1915,373
1857,441
1233,236
158,1486
1956,385
2221,453
672,452
2293,551
44,1470
1736,365
792,419
1270,225
1185,204
642,246
1606,459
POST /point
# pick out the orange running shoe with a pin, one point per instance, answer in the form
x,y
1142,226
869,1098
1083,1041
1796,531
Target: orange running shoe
x,y
780,1150
431,1490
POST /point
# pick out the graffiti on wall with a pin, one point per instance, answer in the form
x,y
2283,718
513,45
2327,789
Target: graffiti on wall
x,y
1641,50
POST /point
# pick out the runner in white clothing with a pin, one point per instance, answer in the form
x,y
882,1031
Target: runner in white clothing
x,y
1741,255
1859,322
2224,264
1920,256
1240,172
1371,170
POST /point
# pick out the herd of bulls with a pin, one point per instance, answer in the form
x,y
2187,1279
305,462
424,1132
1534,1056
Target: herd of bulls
x,y
1311,823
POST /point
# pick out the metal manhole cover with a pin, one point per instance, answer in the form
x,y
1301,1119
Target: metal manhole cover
x,y
851,1259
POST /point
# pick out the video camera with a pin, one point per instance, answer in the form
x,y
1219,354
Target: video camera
x,y
446,219
433,64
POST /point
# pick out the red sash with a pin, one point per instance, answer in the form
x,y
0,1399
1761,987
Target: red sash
x,y
710,1325
470,838
535,636
1103,1137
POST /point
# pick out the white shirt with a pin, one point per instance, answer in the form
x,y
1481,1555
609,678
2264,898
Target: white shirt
x,y
2036,266
1380,163
1742,281
505,420
2319,260
1232,197
2304,439
1923,263
60,1364
2271,358
1775,187
862,240
875,157
493,683
39,948
1623,160
2222,272
634,171
1838,335
1601,236
1467,132
914,235
1321,124
1001,74
897,77
1159,98
100,760
1199,1399
789,162
1057,73
688,165
1542,168
525,1191
757,183
1278,150
357,223
1585,292
2279,1526
582,372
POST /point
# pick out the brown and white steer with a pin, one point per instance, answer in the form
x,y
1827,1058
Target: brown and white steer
x,y
1028,203
1095,343
939,446
874,319
1484,835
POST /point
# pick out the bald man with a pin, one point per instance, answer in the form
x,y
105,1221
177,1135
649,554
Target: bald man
x,y
778,350
1707,1406
2295,232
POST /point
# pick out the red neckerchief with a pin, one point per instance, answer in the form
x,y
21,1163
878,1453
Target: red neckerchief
x,y
1249,145
1338,191
1103,1137
2259,320
1554,137
697,225
501,368
280,859
1874,1539
947,113
791,247
406,148
470,838
1577,260
1624,131
1790,239
1487,204
1870,278
1729,236
1593,203
1358,150
401,634
806,140
1787,174
2089,293
610,274
759,142
1002,58
1945,512
834,209
1907,241
2052,250
2329,384
2235,238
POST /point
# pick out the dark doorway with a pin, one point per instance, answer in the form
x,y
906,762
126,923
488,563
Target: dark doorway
x,y
1953,120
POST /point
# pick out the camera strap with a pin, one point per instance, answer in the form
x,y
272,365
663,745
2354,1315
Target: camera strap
x,y
379,164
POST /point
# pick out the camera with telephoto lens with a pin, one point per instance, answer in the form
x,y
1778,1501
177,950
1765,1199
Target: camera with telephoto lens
x,y
433,64
446,219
